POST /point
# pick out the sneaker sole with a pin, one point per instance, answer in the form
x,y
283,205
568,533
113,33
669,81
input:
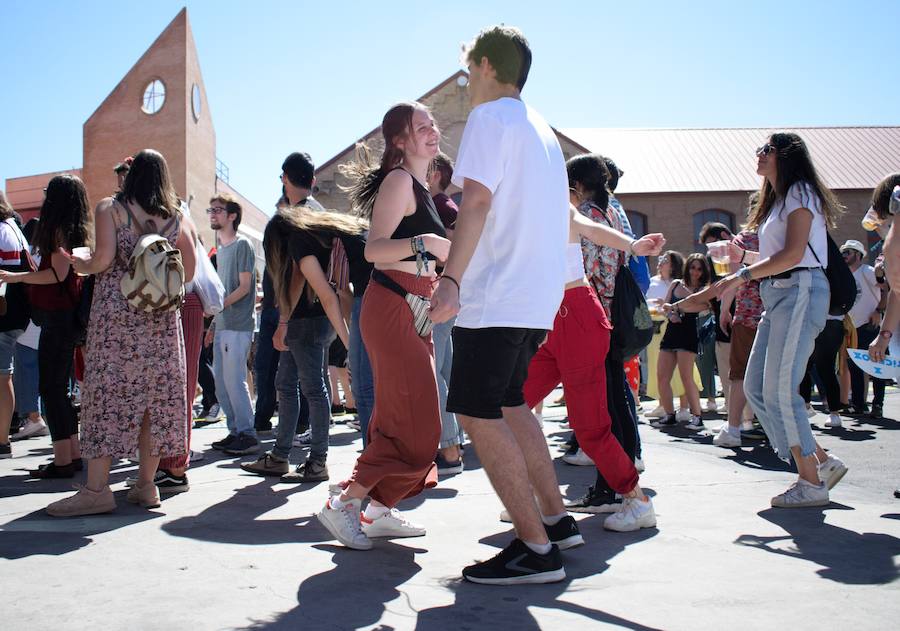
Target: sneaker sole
x,y
96,511
594,510
242,452
373,533
5,456
636,527
568,543
143,504
833,481
304,480
803,505
337,535
553,576
172,490
262,472
450,471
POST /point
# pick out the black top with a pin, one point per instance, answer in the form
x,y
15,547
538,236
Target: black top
x,y
360,268
301,245
424,221
268,301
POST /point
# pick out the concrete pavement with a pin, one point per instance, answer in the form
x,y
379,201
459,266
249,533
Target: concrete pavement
x,y
244,552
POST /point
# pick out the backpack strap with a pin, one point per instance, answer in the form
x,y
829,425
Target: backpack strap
x,y
130,214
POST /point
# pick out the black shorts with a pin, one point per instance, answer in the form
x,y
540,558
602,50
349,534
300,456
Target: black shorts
x,y
489,369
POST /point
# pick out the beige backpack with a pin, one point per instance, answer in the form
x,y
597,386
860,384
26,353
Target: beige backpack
x,y
154,281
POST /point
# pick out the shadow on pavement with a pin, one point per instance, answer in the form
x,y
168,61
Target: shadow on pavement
x,y
39,533
482,606
353,594
759,457
845,556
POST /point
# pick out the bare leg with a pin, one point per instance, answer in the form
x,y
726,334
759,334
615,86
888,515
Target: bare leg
x,y
343,376
148,464
665,368
736,403
807,466
686,370
62,452
354,491
7,405
533,445
98,473
74,447
335,393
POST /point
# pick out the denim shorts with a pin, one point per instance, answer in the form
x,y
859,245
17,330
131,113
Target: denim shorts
x,y
8,350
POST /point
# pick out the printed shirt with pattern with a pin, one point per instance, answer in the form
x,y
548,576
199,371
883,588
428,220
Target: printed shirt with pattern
x,y
601,263
748,306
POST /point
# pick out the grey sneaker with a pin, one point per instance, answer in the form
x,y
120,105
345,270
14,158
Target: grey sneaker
x,y
801,493
832,470
344,525
268,464
310,471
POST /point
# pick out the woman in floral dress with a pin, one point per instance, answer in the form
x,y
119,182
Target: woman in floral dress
x,y
134,398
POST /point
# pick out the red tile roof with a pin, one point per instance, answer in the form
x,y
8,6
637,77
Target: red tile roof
x,y
694,160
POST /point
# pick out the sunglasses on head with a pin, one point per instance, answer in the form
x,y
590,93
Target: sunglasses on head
x,y
766,149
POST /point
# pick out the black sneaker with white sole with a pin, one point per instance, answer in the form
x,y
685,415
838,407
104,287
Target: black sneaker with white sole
x,y
668,420
595,502
168,483
220,445
565,533
5,450
242,445
518,564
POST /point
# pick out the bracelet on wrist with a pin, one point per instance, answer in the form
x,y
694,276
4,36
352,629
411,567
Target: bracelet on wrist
x,y
743,256
745,275
886,334
631,247
452,280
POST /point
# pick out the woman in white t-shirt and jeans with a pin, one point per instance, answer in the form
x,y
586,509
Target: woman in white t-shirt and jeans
x,y
792,214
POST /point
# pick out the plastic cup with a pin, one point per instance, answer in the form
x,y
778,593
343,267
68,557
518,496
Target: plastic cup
x,y
721,257
81,253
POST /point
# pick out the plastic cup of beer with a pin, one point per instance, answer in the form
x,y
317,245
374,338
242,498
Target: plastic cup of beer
x,y
871,220
721,257
81,253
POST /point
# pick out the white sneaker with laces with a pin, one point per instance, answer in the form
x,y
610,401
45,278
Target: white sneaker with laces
x,y
725,439
834,420
711,406
579,459
215,412
391,524
657,412
696,423
831,471
343,524
634,514
682,415
802,493
31,429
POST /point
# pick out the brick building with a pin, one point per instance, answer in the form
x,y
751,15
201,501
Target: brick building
x,y
160,104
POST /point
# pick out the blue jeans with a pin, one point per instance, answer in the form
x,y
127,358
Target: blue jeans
x,y
265,364
307,340
25,381
443,362
361,381
795,313
230,352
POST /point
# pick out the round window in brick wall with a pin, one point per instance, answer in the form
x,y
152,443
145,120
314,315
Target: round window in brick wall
x,y
154,97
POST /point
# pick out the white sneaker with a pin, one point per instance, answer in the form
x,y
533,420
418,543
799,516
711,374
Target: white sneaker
x,y
302,440
696,423
831,471
657,412
197,456
801,493
711,406
725,439
215,412
834,420
504,517
634,514
639,465
391,524
682,415
30,429
354,425
810,412
343,524
579,459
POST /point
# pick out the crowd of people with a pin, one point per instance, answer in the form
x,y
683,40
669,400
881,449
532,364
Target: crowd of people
x,y
441,324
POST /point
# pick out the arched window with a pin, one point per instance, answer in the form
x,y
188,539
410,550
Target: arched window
x,y
638,223
705,216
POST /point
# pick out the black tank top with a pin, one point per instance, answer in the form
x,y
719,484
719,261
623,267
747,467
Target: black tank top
x,y
424,221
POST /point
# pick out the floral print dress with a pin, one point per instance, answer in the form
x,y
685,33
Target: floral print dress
x,y
134,363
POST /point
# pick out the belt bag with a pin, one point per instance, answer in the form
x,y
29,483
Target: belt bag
x,y
419,305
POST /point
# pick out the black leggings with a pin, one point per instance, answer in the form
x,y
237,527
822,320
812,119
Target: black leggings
x,y
624,427
823,359
56,351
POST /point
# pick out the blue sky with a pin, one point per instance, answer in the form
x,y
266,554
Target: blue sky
x,y
314,76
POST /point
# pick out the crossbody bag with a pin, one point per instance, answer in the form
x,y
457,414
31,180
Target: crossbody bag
x,y
419,305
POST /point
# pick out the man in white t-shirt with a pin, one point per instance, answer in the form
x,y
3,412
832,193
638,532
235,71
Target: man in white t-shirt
x,y
505,276
866,316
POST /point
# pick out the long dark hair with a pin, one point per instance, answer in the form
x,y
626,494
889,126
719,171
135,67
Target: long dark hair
x,y
590,170
149,186
793,164
704,276
676,264
65,216
366,173
294,219
881,196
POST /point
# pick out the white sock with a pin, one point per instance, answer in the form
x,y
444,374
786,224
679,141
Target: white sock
x,y
552,520
375,510
539,548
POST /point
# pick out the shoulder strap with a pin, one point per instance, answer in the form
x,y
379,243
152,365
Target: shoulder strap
x,y
388,283
131,217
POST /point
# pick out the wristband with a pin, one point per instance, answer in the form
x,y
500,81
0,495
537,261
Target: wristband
x,y
452,280
631,247
886,334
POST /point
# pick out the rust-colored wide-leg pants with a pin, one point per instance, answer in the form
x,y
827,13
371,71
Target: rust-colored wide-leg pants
x,y
405,429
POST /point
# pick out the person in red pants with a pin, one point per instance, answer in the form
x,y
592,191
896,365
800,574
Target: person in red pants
x,y
575,353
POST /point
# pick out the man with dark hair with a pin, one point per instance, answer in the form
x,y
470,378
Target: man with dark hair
x,y
438,182
232,330
121,170
298,171
714,231
505,279
716,350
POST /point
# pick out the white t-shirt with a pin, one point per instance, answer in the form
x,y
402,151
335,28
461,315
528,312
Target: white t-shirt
x,y
658,289
518,270
12,242
868,295
773,230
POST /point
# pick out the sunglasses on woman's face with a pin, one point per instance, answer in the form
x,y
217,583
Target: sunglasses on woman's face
x,y
765,150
